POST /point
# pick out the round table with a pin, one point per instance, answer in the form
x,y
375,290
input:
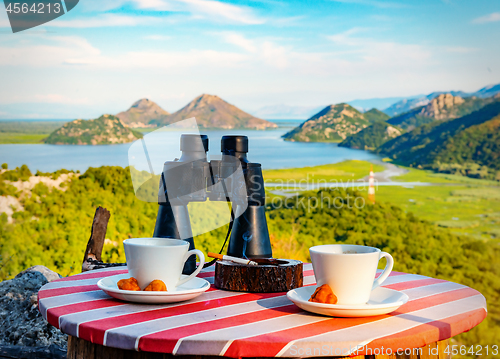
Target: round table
x,y
236,324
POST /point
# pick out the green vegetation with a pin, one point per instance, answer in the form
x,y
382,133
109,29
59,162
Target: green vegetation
x,y
463,209
375,115
24,132
104,130
351,170
468,145
372,136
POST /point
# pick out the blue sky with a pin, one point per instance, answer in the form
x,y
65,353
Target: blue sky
x,y
104,55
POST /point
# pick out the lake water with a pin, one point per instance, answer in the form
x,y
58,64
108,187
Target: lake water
x,y
265,147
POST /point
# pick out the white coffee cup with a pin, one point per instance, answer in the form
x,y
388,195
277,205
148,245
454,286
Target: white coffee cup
x,y
349,270
159,258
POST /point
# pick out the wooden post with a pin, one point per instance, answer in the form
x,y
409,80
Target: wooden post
x,y
92,259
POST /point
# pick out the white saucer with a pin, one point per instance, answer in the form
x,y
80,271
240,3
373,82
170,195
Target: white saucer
x,y
382,301
186,291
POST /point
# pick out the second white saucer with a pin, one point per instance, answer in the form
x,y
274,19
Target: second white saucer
x,y
382,301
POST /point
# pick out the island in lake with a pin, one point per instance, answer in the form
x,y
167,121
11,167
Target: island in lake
x,y
105,130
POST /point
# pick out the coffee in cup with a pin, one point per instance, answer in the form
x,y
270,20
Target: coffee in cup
x,y
349,270
159,258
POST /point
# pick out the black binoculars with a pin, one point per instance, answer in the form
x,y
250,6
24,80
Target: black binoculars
x,y
192,178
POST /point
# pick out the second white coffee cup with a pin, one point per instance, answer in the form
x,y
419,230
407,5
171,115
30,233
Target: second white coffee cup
x,y
159,258
349,270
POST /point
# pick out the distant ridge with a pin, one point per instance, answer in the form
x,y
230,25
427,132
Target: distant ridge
x,y
143,113
211,111
105,130
408,104
441,108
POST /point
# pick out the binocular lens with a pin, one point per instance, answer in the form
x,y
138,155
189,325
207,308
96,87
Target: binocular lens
x,y
234,144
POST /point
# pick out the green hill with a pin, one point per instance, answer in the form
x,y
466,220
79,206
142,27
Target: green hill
x,y
105,130
332,124
441,108
375,115
372,136
471,140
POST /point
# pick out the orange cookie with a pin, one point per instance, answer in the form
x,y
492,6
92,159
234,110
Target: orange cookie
x,y
156,285
128,284
324,294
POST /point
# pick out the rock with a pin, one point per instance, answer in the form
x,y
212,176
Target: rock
x,y
22,327
47,273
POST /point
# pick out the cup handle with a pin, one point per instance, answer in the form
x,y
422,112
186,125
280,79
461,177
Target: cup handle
x,y
387,270
198,269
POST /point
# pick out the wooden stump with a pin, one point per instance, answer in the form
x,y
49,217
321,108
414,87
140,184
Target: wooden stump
x,y
259,279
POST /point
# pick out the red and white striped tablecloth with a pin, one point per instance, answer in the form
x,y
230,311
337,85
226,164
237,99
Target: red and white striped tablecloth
x,y
237,324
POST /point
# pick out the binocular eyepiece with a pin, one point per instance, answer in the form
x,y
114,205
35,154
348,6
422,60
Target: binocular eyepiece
x,y
192,178
236,146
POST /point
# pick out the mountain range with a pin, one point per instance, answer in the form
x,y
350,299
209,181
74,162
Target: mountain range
x,y
210,112
473,138
441,108
408,104
390,105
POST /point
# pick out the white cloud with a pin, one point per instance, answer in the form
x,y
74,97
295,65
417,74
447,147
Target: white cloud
x,y
493,17
104,20
366,54
56,52
261,50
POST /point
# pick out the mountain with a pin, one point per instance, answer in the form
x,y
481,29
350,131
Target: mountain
x,y
105,130
285,112
372,136
487,91
143,113
332,124
471,138
213,112
441,108
408,104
